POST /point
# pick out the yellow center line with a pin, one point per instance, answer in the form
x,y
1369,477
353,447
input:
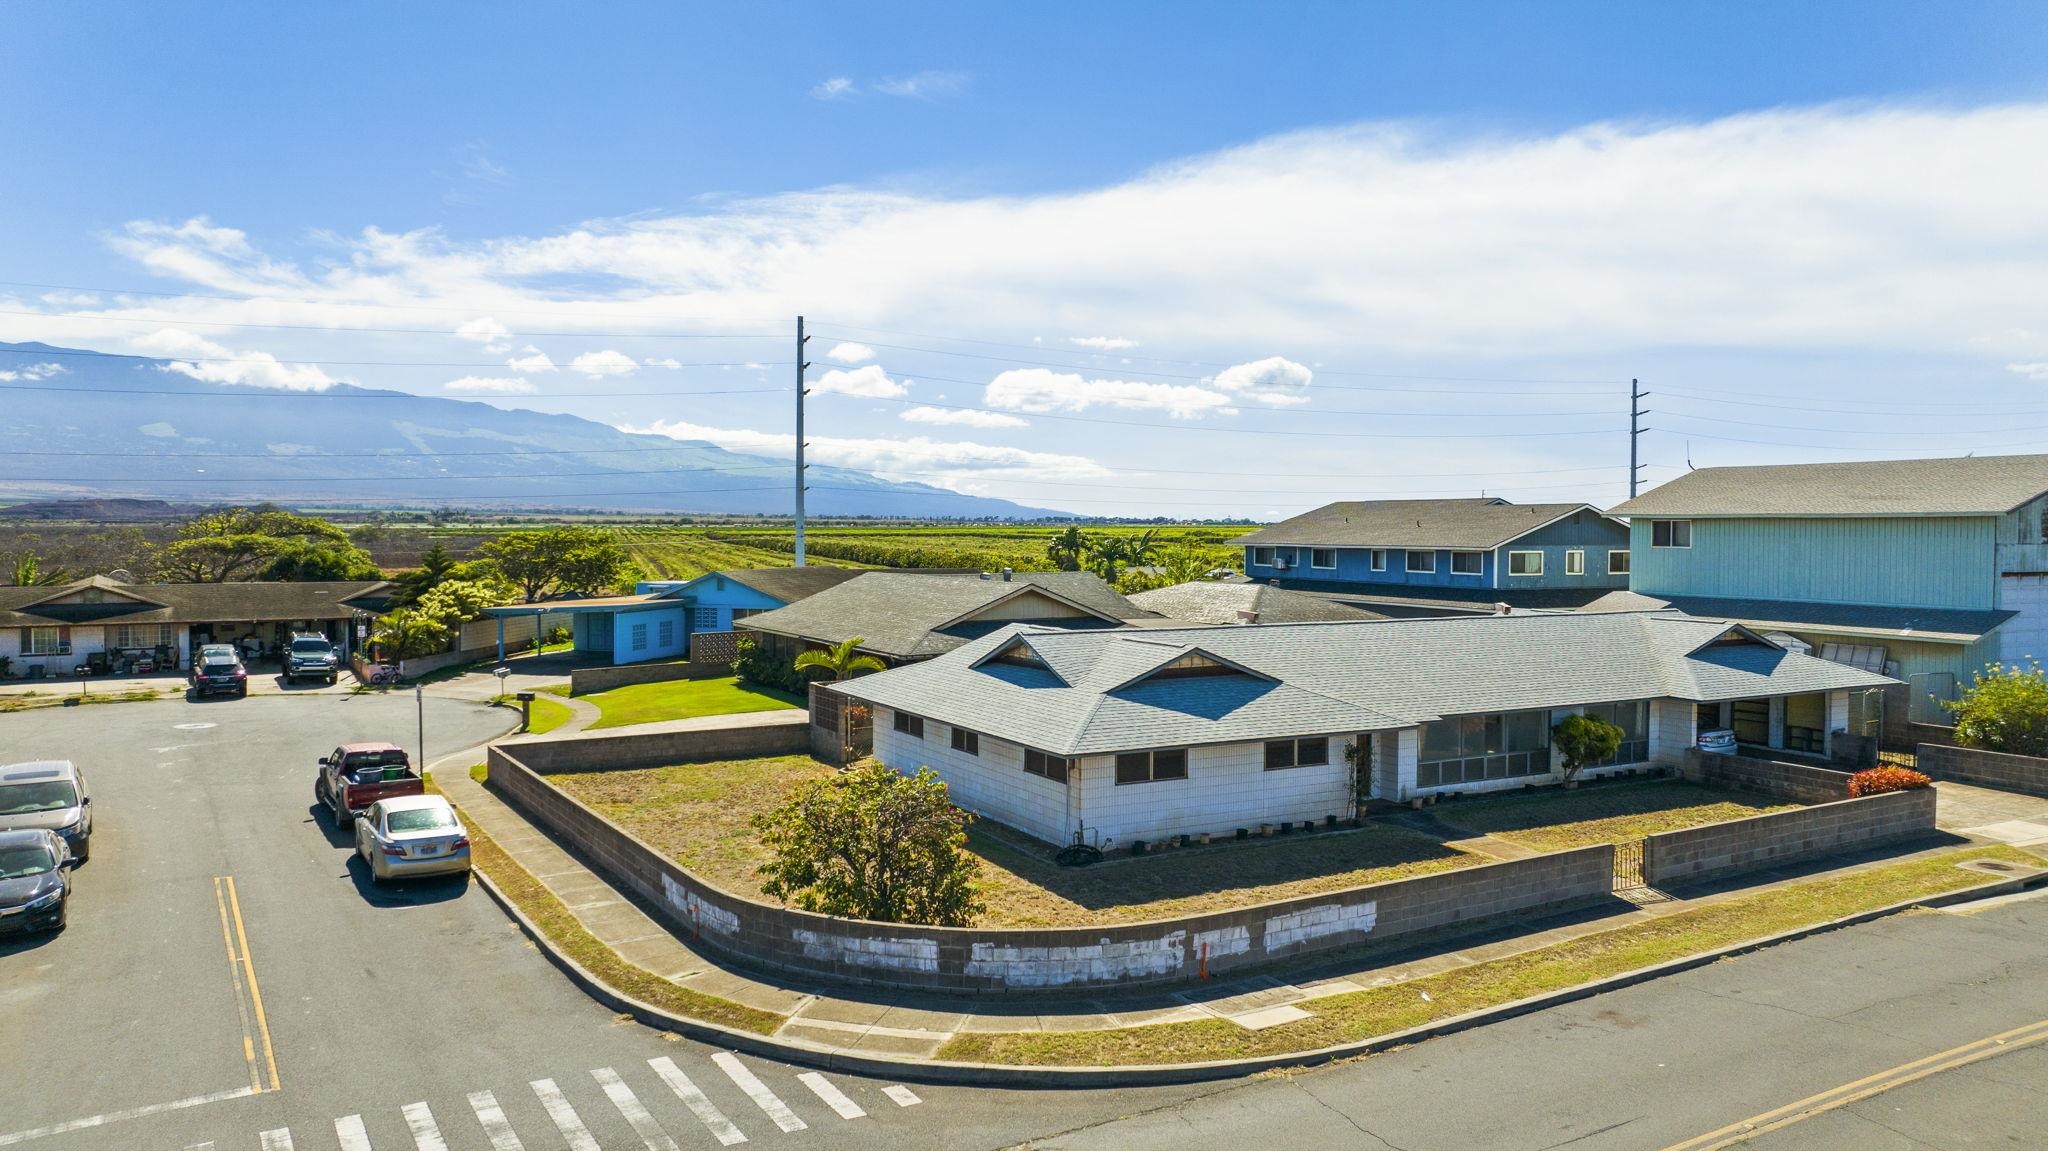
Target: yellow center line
x,y
1870,1085
255,992
227,939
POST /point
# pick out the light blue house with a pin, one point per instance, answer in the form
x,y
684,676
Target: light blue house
x,y
1471,551
1928,568
658,619
716,600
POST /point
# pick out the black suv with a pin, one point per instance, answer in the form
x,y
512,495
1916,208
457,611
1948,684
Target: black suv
x,y
219,669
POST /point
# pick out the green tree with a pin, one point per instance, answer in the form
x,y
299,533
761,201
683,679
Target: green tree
x,y
262,542
1584,739
1107,556
2005,708
558,560
1066,549
436,567
408,634
456,602
871,843
841,661
28,572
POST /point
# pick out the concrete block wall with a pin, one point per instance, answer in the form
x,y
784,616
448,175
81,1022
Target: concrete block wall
x,y
1798,782
751,933
583,681
784,734
1719,850
2023,773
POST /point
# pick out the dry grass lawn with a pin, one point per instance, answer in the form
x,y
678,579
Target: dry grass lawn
x,y
698,814
1553,819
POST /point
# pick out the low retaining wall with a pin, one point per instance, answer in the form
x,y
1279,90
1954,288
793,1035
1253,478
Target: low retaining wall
x,y
1718,850
584,680
1004,960
785,734
1798,782
2023,773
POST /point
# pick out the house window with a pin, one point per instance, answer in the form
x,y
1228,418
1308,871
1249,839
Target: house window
x,y
665,631
1150,766
908,724
1285,753
1525,563
1262,557
1325,558
1050,767
130,635
45,641
1379,559
1473,748
1617,563
704,619
740,613
1670,533
1467,563
1422,563
966,742
1575,562
639,634
1634,721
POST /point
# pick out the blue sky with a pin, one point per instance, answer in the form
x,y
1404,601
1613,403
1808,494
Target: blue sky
x,y
1739,203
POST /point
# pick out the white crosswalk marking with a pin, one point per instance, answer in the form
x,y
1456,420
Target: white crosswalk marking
x,y
495,1125
696,1101
903,1096
278,1140
566,1120
629,1105
425,1134
833,1096
348,1130
758,1091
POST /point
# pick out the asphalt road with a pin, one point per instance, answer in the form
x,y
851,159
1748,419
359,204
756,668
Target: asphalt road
x,y
401,1007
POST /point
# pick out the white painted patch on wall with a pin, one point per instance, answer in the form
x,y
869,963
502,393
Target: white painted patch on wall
x,y
1088,963
1284,931
857,951
707,917
1224,941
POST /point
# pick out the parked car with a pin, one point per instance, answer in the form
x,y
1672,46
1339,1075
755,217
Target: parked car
x,y
48,795
412,835
311,657
356,775
1717,741
35,881
219,669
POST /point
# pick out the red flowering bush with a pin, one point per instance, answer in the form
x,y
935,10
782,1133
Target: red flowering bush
x,y
1879,780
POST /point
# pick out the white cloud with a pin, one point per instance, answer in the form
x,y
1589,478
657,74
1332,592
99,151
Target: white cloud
x,y
848,352
42,371
202,359
961,417
1043,390
489,385
871,382
923,85
836,88
1103,343
160,430
532,360
493,336
605,363
665,362
1273,380
2034,371
913,458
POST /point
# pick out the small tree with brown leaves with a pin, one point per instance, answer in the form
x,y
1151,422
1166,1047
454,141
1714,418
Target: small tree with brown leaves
x,y
872,843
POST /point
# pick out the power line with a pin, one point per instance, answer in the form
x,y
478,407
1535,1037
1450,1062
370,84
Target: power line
x,y
468,310
498,364
258,392
525,335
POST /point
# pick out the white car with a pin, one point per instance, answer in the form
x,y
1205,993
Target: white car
x,y
412,835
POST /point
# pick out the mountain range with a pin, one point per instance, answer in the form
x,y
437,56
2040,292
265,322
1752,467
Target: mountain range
x,y
102,425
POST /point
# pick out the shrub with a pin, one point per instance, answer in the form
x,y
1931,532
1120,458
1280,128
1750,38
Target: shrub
x,y
872,844
1879,780
757,666
2004,709
1584,739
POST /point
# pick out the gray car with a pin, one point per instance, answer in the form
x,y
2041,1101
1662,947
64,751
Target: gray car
x,y
34,889
48,795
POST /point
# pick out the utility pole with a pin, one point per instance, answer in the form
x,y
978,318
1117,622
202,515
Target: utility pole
x,y
801,365
1636,412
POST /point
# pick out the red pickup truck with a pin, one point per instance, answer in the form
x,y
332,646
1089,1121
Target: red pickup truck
x,y
356,775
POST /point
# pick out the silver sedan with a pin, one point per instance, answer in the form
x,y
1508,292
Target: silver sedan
x,y
412,835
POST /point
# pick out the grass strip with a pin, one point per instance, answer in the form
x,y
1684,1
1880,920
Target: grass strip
x,y
1396,1007
563,929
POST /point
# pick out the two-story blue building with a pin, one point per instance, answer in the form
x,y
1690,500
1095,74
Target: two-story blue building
x,y
1459,554
1928,569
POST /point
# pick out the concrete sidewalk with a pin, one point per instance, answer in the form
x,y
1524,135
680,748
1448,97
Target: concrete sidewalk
x,y
843,1019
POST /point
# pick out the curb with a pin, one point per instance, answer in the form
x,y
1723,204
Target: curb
x,y
1163,1074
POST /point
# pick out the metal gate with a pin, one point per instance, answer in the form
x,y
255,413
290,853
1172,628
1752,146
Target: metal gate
x,y
1628,865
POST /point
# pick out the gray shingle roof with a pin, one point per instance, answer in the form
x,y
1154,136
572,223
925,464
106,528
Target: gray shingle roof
x,y
1940,625
1467,524
903,615
1967,486
790,584
1332,678
1217,603
192,602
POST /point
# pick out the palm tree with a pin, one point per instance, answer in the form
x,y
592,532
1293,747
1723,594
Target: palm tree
x,y
1107,556
1066,548
408,634
842,661
1140,550
28,572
